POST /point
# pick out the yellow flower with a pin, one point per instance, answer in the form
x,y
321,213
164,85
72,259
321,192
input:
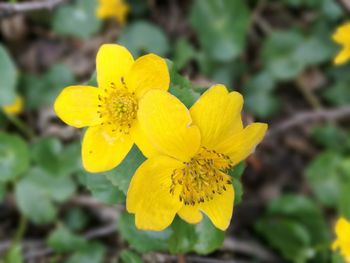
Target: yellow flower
x,y
117,9
342,243
15,108
111,109
342,37
186,175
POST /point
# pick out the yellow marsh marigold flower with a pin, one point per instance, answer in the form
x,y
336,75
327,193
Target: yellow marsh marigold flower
x,y
117,9
342,243
195,149
111,109
342,37
14,108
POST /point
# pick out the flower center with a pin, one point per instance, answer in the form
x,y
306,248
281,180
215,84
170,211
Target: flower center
x,y
202,178
118,108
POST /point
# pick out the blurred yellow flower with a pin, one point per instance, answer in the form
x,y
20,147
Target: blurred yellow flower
x,y
342,243
187,172
111,109
15,108
342,37
117,9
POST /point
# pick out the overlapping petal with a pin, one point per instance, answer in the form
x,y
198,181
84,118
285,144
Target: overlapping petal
x,y
217,113
190,214
148,72
113,62
78,106
103,150
168,125
149,197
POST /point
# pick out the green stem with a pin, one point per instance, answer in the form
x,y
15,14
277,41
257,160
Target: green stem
x,y
20,230
21,126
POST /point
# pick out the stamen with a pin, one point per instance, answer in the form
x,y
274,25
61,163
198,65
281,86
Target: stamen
x,y
203,177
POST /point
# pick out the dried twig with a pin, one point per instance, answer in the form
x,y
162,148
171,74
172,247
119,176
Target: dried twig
x,y
310,116
7,9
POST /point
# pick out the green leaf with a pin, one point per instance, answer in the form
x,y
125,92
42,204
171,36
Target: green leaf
x,y
181,87
76,218
14,157
322,174
209,238
221,26
128,256
337,258
93,252
344,197
121,175
62,240
338,94
331,137
55,158
183,53
36,192
182,238
142,241
238,170
143,37
14,255
102,188
8,77
2,191
77,20
48,85
238,189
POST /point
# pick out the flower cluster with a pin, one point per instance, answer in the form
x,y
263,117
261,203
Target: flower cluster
x,y
189,151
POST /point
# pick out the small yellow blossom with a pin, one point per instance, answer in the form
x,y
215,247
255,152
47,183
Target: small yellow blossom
x,y
110,110
187,172
342,37
342,243
117,9
15,108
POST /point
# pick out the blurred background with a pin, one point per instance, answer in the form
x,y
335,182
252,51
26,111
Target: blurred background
x,y
277,53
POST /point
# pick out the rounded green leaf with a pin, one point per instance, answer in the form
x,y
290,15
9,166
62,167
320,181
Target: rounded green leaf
x,y
8,77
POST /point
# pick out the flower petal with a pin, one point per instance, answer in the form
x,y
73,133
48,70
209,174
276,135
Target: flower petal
x,y
148,72
343,56
14,108
149,194
103,150
167,124
240,145
112,63
142,141
217,114
220,208
190,214
78,106
342,35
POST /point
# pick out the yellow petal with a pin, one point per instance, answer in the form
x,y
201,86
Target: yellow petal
x,y
148,72
103,150
342,35
167,124
149,196
142,142
220,208
78,106
217,114
240,145
343,56
112,63
15,108
190,214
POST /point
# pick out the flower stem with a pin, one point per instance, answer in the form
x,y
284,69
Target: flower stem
x,y
27,131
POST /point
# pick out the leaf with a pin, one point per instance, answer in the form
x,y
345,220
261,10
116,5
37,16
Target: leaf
x,y
102,188
93,252
76,219
142,241
14,157
47,85
14,255
183,237
8,79
62,240
322,174
143,37
237,171
221,27
77,20
344,197
238,189
121,175
332,137
181,87
338,94
128,256
2,191
209,238
183,53
36,192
